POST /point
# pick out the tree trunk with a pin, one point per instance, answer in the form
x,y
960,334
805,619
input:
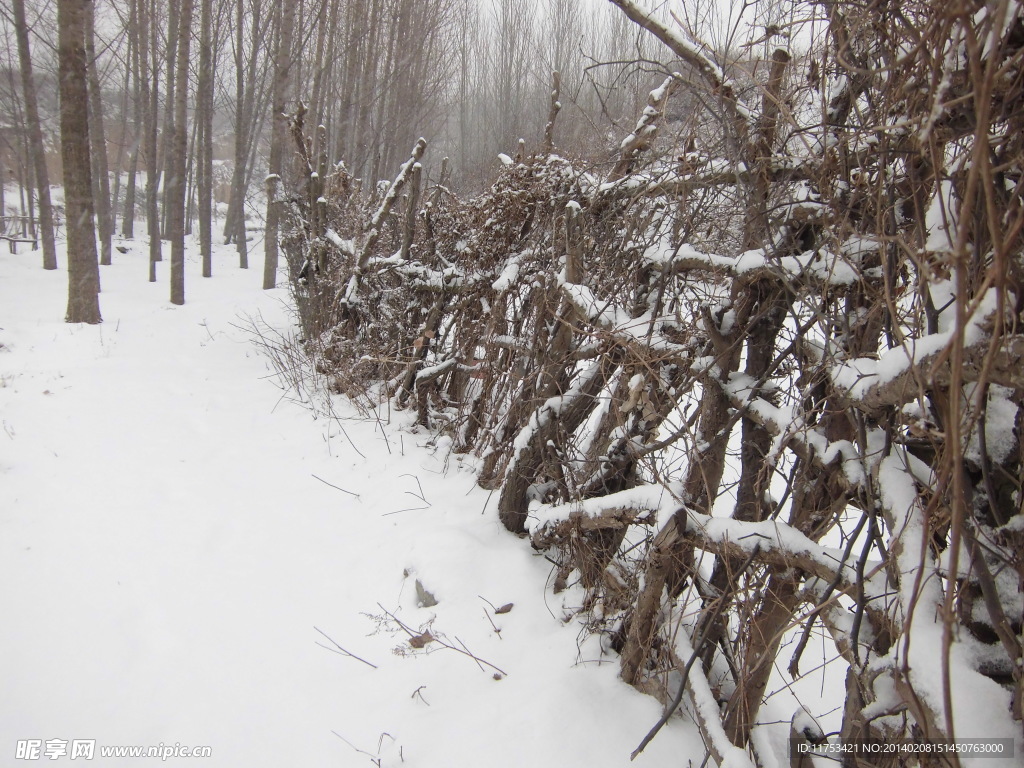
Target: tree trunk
x,y
279,137
175,194
321,66
126,89
97,134
167,137
83,269
204,118
128,213
150,102
234,226
192,170
35,137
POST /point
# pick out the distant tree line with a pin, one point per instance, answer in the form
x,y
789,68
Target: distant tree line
x,y
184,100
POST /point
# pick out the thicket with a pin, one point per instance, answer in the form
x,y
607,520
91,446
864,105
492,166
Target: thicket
x,y
756,378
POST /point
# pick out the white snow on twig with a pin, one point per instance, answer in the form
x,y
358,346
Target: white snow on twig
x,y
344,245
859,375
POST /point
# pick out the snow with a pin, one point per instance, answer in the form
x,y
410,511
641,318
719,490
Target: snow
x,y
860,375
508,275
1001,415
830,268
170,539
607,316
706,707
344,245
921,651
940,238
653,498
645,125
804,722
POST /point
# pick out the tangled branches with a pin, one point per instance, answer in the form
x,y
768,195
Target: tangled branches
x,y
763,386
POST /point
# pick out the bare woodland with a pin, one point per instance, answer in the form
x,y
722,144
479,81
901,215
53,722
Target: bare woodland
x,y
732,323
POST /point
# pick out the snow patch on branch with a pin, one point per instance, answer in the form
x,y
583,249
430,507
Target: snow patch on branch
x,y
508,275
650,499
864,377
708,712
549,410
346,246
835,269
920,603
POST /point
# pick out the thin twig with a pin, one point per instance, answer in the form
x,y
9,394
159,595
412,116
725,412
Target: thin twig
x,y
440,639
496,630
794,662
421,496
357,749
417,693
341,650
346,434
407,509
493,606
471,655
335,487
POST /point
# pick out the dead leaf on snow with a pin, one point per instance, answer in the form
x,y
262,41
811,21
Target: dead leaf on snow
x,y
421,640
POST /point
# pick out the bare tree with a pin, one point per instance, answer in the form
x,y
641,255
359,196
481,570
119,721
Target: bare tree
x,y
249,107
175,195
35,137
150,99
170,42
138,132
279,135
204,118
83,267
98,136
511,70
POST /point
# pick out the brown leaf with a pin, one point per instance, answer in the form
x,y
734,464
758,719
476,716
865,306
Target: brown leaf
x,y
504,609
421,640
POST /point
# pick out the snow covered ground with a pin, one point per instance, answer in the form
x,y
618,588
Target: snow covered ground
x,y
167,556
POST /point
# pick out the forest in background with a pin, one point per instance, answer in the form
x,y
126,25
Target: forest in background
x,y
728,311
471,77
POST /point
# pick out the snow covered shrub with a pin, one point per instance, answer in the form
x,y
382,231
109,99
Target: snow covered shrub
x,y
757,377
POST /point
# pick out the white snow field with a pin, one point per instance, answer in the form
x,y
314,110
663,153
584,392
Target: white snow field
x,y
166,551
